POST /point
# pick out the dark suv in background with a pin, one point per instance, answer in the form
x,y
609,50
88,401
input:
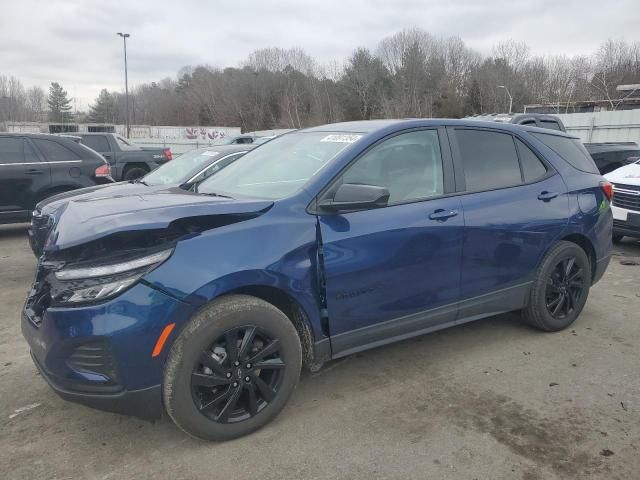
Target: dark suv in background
x,y
36,166
539,120
127,160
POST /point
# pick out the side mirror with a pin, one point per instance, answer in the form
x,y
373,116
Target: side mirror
x,y
353,196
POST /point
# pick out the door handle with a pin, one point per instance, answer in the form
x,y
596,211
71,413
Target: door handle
x,y
546,196
34,171
442,214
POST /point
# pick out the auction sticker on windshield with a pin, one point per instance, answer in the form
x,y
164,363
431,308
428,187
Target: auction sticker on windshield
x,y
341,138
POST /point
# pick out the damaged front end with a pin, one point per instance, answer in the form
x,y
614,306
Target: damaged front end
x,y
91,320
101,269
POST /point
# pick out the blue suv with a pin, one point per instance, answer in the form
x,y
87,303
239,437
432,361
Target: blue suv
x,y
321,243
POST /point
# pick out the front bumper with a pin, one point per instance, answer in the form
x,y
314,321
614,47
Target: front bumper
x,y
145,403
100,355
621,224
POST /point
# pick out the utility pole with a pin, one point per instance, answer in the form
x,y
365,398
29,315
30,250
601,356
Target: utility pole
x,y
126,82
510,98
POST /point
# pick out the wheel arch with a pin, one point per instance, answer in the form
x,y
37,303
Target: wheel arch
x,y
583,242
135,164
294,312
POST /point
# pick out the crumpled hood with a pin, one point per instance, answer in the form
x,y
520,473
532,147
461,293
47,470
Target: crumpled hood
x,y
102,212
53,203
629,175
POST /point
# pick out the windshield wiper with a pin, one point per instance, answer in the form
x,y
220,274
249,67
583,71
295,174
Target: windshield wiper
x,y
216,195
139,180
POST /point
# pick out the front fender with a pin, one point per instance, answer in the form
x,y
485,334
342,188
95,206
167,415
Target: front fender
x,y
276,250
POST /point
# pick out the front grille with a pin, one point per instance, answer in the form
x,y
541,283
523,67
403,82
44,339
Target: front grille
x,y
626,196
94,357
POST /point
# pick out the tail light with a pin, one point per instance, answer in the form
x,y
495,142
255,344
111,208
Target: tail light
x,y
607,188
103,171
167,153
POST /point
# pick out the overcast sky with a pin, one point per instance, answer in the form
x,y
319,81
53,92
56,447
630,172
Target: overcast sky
x,y
74,42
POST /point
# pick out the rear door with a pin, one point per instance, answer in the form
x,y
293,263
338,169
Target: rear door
x,y
22,175
394,271
515,207
65,164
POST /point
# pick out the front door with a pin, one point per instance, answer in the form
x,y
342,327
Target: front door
x,y
394,271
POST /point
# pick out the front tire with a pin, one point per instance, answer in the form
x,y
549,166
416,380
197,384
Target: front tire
x,y
232,369
560,289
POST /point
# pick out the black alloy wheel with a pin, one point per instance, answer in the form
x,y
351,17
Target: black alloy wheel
x,y
560,288
565,287
237,375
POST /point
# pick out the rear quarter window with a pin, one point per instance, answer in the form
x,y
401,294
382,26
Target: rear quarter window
x,y
54,151
571,150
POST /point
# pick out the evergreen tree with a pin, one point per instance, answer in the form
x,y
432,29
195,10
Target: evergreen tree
x,y
59,104
473,104
104,110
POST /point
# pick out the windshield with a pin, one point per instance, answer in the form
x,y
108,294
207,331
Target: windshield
x,y
180,169
280,167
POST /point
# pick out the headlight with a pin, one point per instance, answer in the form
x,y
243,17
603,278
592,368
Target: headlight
x,y
100,282
104,270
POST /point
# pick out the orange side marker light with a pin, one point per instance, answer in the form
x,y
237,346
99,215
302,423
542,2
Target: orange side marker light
x,y
162,339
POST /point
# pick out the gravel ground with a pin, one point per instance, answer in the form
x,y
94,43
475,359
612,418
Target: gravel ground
x,y
492,399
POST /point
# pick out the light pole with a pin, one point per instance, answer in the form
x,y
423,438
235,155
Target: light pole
x,y
510,98
126,81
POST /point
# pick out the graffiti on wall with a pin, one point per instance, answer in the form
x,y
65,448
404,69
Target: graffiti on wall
x,y
194,133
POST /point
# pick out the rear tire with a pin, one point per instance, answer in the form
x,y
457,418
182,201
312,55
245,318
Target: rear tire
x,y
617,238
133,173
217,386
560,289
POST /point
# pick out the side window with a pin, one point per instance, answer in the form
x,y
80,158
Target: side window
x,y
550,124
571,150
11,150
532,168
124,144
409,165
30,155
96,142
54,151
490,159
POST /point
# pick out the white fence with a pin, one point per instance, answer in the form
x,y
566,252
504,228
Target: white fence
x,y
616,126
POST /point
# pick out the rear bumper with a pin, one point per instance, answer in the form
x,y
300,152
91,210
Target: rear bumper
x,y
145,403
601,267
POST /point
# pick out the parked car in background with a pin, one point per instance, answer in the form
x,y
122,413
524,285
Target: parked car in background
x,y
529,119
318,244
610,156
186,171
239,140
626,201
127,160
36,166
